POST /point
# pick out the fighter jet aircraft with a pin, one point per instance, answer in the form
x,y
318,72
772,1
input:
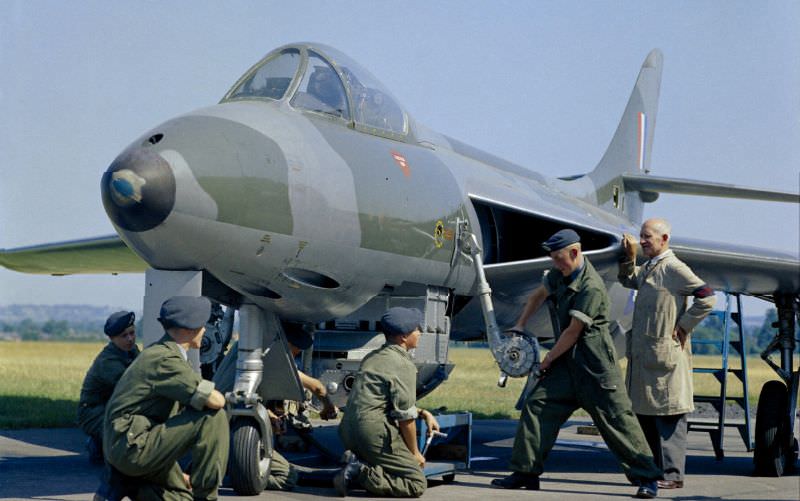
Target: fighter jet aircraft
x,y
309,195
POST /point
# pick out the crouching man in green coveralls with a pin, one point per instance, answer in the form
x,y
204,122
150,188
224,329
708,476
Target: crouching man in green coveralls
x,y
102,377
161,409
379,425
579,371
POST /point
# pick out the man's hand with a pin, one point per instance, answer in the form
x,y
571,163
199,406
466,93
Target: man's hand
x,y
629,246
680,335
420,459
544,365
216,400
329,410
430,422
187,481
277,422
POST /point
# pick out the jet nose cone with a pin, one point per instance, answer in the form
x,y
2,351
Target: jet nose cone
x,y
138,190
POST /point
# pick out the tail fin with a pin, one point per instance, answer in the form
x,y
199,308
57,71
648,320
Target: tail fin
x,y
629,151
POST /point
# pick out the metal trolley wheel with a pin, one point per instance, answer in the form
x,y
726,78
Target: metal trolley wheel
x,y
250,458
772,457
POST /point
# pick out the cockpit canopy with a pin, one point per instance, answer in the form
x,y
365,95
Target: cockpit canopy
x,y
319,79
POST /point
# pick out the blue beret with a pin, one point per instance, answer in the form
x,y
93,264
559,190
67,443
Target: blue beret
x,y
118,322
561,239
297,335
401,321
187,312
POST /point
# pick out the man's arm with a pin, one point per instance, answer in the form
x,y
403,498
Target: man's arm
x,y
534,302
408,430
627,267
566,340
686,283
315,386
430,420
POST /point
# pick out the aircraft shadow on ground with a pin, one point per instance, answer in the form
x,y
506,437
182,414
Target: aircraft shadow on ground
x,y
44,477
22,411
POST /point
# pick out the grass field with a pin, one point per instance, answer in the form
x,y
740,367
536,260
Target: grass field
x,y
40,383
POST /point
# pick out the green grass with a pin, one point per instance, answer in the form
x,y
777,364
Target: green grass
x,y
472,385
40,383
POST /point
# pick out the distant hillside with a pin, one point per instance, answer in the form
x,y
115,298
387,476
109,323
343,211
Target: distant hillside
x,y
72,313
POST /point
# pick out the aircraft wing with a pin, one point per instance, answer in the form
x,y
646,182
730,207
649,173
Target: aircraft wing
x,y
106,254
724,267
735,268
653,184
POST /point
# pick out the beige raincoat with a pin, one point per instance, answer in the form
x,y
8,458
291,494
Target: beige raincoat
x,y
659,377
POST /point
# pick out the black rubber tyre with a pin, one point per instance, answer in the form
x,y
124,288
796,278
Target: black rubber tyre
x,y
448,478
249,463
770,454
793,454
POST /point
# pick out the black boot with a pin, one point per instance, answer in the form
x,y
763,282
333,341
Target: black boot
x,y
114,486
648,489
348,475
518,480
94,448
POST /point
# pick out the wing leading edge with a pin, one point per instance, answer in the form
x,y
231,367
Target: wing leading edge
x,y
731,268
649,186
99,255
746,270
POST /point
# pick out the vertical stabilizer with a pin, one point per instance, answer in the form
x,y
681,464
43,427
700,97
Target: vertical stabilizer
x,y
629,151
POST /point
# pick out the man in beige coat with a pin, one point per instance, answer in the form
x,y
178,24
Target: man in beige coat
x,y
659,377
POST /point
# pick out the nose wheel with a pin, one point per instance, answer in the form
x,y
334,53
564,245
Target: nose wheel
x,y
250,457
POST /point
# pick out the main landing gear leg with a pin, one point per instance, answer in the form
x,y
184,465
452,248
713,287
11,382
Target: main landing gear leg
x,y
262,346
775,444
517,355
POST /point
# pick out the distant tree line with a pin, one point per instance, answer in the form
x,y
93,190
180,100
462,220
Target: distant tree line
x,y
756,337
57,330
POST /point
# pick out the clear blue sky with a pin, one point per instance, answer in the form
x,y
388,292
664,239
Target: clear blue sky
x,y
542,84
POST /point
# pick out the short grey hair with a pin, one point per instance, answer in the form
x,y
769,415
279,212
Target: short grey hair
x,y
660,225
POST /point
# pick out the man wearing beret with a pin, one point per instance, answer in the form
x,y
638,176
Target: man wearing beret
x,y
102,377
300,340
161,409
659,378
379,426
579,371
283,475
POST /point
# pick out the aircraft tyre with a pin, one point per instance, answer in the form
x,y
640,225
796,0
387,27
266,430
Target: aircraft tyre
x,y
250,458
772,457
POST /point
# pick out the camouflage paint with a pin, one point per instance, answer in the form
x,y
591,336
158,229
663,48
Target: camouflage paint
x,y
243,171
399,208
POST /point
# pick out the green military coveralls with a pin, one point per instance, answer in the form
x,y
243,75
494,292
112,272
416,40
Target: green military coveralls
x,y
383,393
156,415
586,376
98,385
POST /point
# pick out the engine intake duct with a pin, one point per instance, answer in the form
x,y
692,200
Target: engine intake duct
x,y
509,235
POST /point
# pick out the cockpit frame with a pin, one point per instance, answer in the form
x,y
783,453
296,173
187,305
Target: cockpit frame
x,y
348,79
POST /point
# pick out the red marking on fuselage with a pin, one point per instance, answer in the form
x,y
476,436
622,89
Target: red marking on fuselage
x,y
402,163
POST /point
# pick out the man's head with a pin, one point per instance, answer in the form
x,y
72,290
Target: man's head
x,y
402,326
565,251
298,337
184,318
120,330
324,85
654,237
